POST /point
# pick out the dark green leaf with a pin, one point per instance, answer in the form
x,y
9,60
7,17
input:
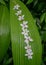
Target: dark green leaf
x,y
42,17
45,17
44,28
44,35
4,31
29,1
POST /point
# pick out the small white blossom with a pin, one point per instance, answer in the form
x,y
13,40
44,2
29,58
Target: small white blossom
x,y
28,38
24,24
18,13
21,18
25,32
28,51
28,47
16,7
29,56
31,53
26,41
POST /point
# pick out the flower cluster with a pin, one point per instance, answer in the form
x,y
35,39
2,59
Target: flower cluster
x,y
25,32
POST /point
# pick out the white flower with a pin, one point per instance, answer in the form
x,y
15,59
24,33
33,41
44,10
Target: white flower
x,y
24,24
28,38
18,13
28,51
31,53
16,7
25,32
21,18
28,47
27,41
29,56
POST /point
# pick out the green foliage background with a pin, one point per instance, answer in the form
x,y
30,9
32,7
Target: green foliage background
x,y
38,11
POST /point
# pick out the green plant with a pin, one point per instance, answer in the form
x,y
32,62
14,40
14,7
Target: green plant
x,y
12,41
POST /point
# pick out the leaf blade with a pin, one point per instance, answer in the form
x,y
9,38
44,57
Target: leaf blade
x,y
18,40
4,31
29,1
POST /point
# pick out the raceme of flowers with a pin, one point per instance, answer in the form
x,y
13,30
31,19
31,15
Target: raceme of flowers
x,y
25,31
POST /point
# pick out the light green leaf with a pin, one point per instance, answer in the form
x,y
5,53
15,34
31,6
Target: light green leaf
x,y
4,31
17,39
29,1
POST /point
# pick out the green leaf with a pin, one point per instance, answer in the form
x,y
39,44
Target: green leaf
x,y
29,1
42,17
1,1
17,38
45,17
44,35
4,31
44,27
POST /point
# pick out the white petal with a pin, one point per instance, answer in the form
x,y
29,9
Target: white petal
x,y
24,25
31,39
25,22
23,33
26,41
29,57
21,18
23,29
26,47
28,51
31,53
16,7
18,13
21,24
23,15
26,36
26,31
